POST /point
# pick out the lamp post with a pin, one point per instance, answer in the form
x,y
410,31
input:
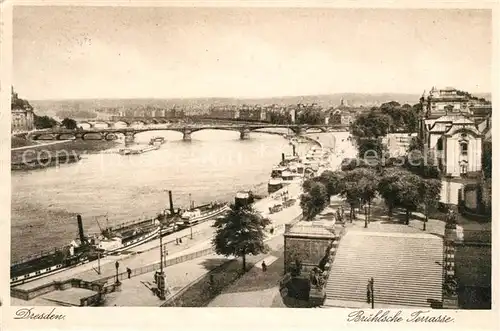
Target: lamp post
x,y
161,250
366,215
160,281
117,265
372,295
99,262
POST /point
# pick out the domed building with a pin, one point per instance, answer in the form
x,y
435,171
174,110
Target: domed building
x,y
454,135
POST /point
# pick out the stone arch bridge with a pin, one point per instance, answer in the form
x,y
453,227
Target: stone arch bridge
x,y
99,131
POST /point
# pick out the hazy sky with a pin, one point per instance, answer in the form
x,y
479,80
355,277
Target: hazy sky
x,y
105,52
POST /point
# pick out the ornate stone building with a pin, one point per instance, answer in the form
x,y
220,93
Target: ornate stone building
x,y
450,101
453,125
22,114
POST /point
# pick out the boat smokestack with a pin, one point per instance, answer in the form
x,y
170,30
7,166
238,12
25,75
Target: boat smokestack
x,y
80,228
283,157
293,146
171,202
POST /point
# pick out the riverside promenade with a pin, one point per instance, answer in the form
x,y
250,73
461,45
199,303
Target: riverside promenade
x,y
136,291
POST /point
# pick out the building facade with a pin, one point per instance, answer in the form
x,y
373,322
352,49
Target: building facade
x,y
23,118
450,101
453,126
398,143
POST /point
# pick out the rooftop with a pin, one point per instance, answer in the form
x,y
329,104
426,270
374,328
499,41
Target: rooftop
x,y
458,119
315,229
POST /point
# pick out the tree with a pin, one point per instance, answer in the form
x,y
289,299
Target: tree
x,y
332,181
409,194
310,116
69,123
430,190
421,161
368,184
349,164
371,149
486,158
416,143
314,200
389,187
371,125
240,232
44,122
360,185
280,118
404,118
308,183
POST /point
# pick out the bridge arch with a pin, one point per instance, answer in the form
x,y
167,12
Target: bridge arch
x,y
313,130
101,125
120,124
46,136
84,125
114,136
92,136
138,123
66,136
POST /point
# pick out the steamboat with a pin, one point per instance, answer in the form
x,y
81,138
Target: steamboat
x,y
112,240
289,170
198,214
127,235
78,252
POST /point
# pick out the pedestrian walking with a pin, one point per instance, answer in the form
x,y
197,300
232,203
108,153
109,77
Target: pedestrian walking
x,y
264,266
271,230
180,240
177,241
212,282
129,272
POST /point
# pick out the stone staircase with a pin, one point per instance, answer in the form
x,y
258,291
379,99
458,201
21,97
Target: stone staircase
x,y
406,267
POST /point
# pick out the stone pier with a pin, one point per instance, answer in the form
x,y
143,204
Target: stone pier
x,y
244,134
298,130
186,135
129,137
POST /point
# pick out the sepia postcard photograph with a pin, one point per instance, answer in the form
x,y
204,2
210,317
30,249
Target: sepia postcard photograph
x,y
260,156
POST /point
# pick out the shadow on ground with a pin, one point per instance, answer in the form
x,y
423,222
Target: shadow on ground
x,y
256,280
210,264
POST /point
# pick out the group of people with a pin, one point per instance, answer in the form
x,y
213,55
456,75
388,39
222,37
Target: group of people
x,y
281,195
339,215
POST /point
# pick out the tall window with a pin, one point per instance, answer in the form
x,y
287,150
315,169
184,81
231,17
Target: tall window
x,y
463,168
464,148
439,144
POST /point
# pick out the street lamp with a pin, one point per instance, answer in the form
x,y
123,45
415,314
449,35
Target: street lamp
x,y
117,265
366,215
161,278
370,295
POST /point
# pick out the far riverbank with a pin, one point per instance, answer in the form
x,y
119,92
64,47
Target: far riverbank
x,y
52,154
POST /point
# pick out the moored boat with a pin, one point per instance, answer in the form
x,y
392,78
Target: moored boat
x,y
138,149
79,251
156,141
127,235
202,213
274,184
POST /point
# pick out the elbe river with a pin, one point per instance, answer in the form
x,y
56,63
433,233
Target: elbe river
x,y
212,167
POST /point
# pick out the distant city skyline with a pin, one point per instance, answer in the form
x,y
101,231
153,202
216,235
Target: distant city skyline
x,y
132,52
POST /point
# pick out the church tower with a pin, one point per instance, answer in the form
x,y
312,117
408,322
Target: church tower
x,y
422,132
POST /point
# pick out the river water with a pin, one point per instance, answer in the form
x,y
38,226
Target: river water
x,y
213,166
